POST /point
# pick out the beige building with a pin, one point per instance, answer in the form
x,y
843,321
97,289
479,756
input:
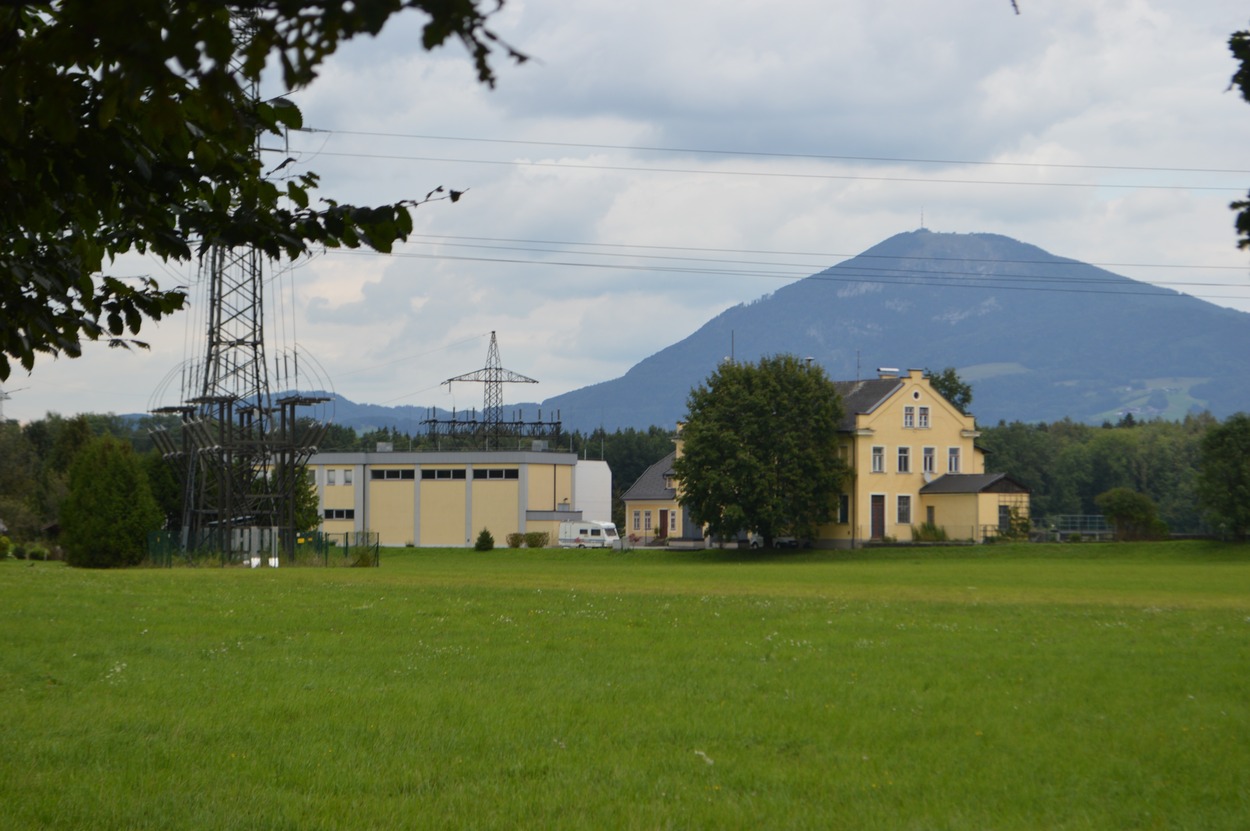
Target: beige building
x,y
913,461
446,499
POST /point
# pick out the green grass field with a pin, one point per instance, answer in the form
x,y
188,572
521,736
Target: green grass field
x,y
997,687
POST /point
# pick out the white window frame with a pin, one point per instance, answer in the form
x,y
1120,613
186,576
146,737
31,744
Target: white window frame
x,y
672,520
904,460
952,460
928,462
878,459
909,416
923,421
347,476
330,478
903,499
646,521
637,520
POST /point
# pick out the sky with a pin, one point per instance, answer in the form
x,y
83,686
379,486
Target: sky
x,y
655,163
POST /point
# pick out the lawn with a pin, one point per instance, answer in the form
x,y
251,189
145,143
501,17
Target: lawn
x,y
996,687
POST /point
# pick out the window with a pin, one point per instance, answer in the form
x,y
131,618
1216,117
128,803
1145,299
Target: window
x,y
637,520
844,508
904,509
347,476
904,460
330,476
924,417
646,521
909,416
497,473
340,513
931,515
878,460
444,475
396,474
929,462
672,521
952,460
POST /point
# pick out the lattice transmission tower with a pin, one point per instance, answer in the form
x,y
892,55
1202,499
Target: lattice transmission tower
x,y
241,451
491,428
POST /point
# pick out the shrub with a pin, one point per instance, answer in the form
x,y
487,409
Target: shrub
x,y
537,539
37,552
6,547
515,539
485,542
19,552
929,532
1133,514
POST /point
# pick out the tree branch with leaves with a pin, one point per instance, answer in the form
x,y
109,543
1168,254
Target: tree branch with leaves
x,y
132,128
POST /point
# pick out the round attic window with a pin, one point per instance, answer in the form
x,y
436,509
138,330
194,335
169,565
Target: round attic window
x,y
915,394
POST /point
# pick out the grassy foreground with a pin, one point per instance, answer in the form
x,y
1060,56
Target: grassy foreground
x,y
1056,687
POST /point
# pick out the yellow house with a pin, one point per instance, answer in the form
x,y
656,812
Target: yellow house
x,y
446,499
913,462
652,511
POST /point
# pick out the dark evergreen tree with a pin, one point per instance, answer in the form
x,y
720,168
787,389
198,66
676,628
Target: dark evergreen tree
x,y
109,512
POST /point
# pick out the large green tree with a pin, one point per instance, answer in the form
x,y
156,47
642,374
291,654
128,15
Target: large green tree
x,y
760,450
132,127
1224,475
110,510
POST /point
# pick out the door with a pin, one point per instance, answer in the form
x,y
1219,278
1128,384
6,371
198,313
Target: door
x,y
878,516
662,531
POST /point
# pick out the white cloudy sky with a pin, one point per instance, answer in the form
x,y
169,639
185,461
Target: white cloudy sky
x,y
661,160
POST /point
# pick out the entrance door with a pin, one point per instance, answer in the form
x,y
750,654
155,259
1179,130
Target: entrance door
x,y
878,516
662,531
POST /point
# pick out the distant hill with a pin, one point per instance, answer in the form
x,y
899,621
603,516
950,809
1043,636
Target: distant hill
x,y
1039,337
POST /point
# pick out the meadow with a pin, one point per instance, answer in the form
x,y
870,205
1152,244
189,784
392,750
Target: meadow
x,y
998,687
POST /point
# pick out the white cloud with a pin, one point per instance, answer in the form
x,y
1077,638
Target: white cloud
x,y
586,259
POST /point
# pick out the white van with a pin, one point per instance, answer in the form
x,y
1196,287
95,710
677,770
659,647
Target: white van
x,y
589,534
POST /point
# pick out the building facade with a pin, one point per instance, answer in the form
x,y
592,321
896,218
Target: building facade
x,y
446,499
914,468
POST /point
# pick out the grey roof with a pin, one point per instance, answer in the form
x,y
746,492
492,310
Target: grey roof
x,y
650,485
862,397
974,483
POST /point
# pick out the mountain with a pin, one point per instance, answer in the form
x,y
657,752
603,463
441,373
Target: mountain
x,y
1039,337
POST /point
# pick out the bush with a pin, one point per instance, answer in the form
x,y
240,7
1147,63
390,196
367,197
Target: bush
x,y
485,542
515,540
6,547
37,552
19,552
929,532
1133,514
537,539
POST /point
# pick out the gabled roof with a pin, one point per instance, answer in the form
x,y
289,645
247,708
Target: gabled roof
x,y
974,483
862,397
650,485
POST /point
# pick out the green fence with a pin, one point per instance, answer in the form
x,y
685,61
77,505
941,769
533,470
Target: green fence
x,y
261,548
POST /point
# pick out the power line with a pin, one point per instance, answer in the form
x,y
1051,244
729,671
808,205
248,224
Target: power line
x,y
775,155
775,174
824,254
849,275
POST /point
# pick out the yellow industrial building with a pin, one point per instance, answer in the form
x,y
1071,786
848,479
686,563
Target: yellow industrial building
x,y
446,499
